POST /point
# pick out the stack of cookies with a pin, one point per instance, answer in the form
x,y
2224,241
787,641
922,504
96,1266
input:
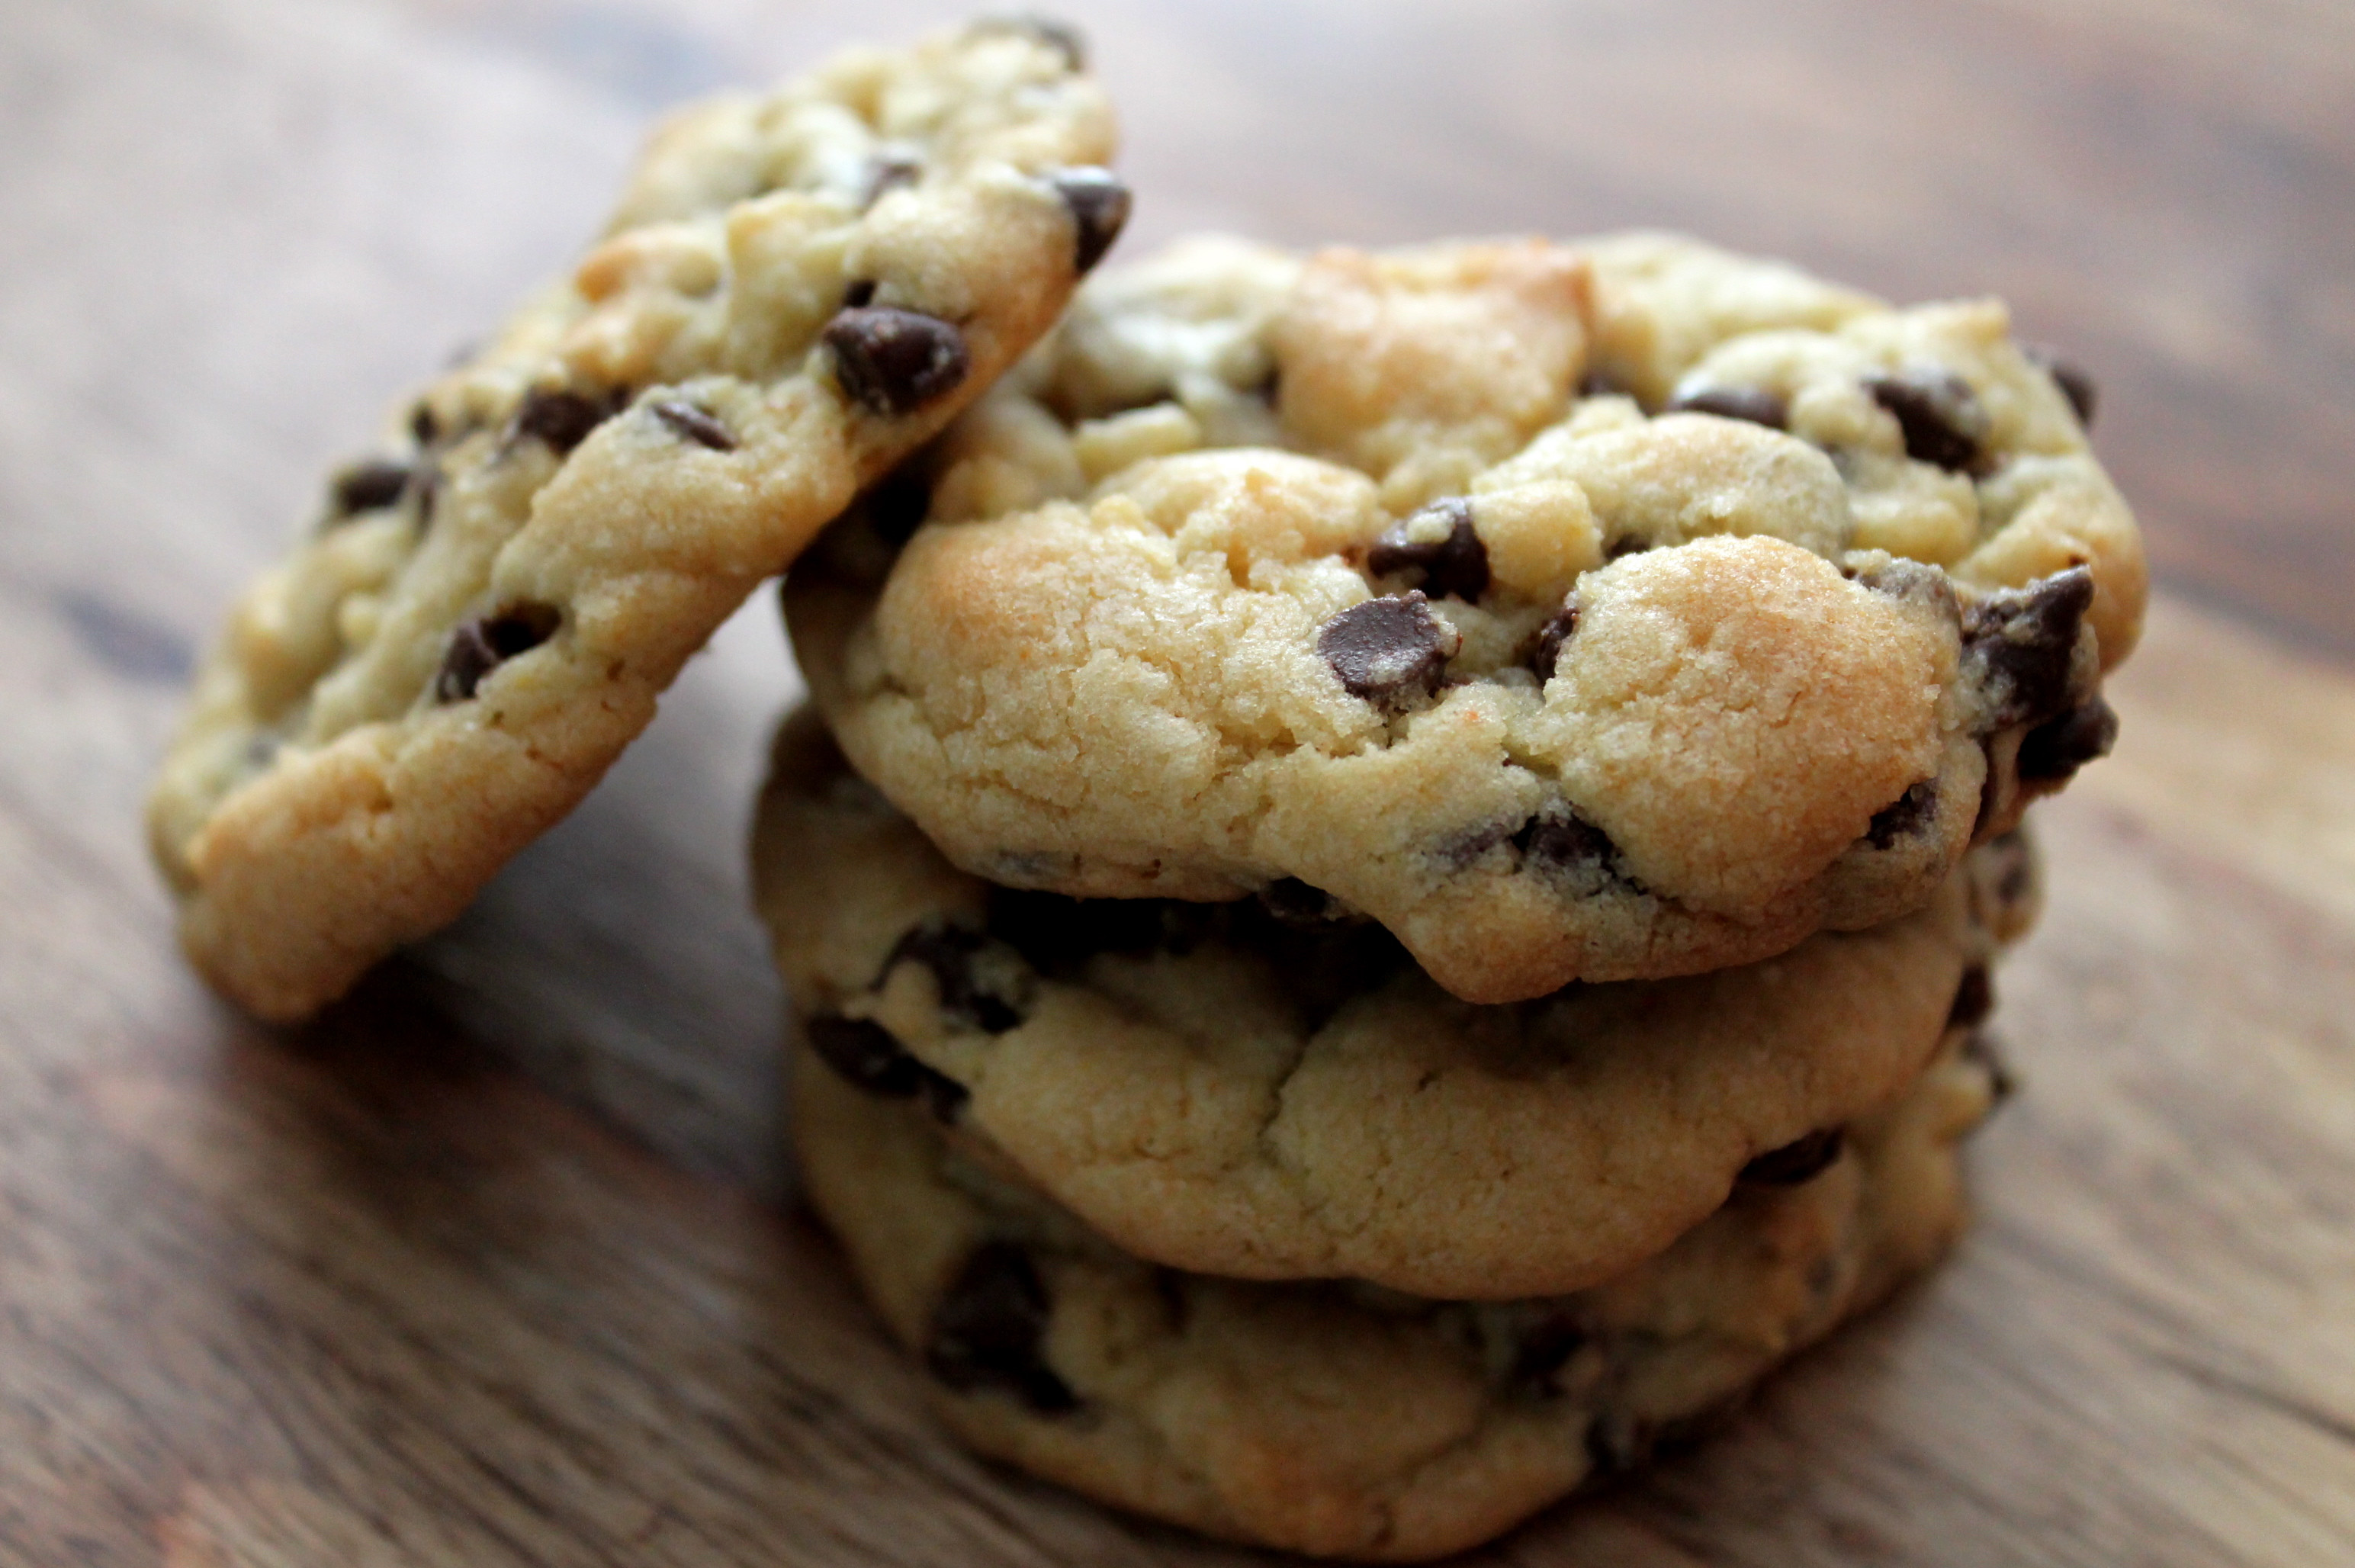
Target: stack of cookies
x,y
1391,878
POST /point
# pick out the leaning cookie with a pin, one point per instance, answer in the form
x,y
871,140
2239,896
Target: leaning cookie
x,y
1347,1420
796,291
1248,1089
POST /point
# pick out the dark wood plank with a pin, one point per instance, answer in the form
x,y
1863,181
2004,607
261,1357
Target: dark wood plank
x,y
499,1263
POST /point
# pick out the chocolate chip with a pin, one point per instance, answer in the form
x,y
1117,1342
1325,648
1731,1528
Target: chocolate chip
x,y
1753,405
562,421
868,1057
369,486
1454,566
1626,544
2020,645
987,1331
1543,1350
482,644
887,172
948,951
1798,1161
1982,1050
1974,999
894,361
697,425
1551,638
1099,205
2056,747
1389,650
1908,815
860,293
1939,413
2069,377
1559,839
1053,31
423,425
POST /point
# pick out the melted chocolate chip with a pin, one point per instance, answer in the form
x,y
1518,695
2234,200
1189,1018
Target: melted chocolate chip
x,y
2069,377
481,646
2020,645
1908,815
1543,1350
2056,747
868,1057
1552,637
697,425
1974,999
987,1331
1939,413
948,951
1982,1050
1455,566
1053,31
562,421
860,293
1753,405
1098,204
1388,651
1800,1161
369,486
894,361
887,172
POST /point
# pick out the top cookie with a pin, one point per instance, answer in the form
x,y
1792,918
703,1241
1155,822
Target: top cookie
x,y
1617,611
796,291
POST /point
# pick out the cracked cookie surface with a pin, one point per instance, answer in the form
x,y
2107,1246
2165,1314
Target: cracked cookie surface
x,y
796,290
1347,1420
1607,610
1254,1089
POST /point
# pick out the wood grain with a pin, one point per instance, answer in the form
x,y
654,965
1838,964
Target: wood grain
x,y
498,1263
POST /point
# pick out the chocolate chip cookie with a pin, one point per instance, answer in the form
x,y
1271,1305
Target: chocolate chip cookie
x,y
1343,1420
1602,612
797,290
1258,1088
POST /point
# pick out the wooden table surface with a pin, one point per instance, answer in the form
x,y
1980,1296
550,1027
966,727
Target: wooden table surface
x,y
499,1263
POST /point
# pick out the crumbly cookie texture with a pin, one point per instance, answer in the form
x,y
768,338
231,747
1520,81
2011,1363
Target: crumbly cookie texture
x,y
1345,1421
1365,572
797,290
1254,1090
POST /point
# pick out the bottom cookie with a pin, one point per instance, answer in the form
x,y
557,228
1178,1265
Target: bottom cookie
x,y
1345,1420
